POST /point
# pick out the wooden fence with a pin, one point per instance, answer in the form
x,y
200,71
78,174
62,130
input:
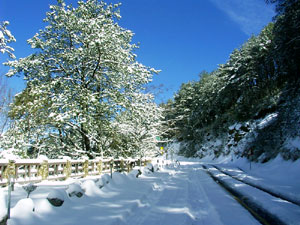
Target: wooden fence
x,y
25,171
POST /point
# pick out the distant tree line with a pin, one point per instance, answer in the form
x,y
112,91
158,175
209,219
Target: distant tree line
x,y
261,77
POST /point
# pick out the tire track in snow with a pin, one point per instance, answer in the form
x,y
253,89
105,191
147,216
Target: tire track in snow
x,y
165,204
266,207
200,202
213,204
265,189
185,196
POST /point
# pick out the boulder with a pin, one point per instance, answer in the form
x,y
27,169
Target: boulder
x,y
56,197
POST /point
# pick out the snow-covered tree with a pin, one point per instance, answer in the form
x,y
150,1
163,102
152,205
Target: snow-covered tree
x,y
5,93
78,82
139,126
5,38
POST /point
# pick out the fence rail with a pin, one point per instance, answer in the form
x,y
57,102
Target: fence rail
x,y
25,171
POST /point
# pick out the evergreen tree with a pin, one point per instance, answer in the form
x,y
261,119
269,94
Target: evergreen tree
x,y
287,38
242,89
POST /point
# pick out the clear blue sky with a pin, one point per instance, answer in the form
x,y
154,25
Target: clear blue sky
x,y
181,38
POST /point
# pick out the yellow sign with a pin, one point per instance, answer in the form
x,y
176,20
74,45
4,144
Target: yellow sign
x,y
162,150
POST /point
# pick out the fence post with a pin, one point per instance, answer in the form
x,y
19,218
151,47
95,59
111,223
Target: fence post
x,y
86,168
44,170
122,164
111,167
9,196
29,171
76,168
68,169
99,167
9,172
128,166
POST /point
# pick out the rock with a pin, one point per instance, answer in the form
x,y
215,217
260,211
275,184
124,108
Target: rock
x,y
75,190
56,197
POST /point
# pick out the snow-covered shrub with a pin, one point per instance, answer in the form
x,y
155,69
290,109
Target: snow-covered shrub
x,y
29,188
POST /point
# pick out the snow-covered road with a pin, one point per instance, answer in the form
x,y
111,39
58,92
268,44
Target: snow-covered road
x,y
170,196
188,196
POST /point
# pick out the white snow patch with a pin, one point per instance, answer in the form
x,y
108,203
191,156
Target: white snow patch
x,y
293,143
267,120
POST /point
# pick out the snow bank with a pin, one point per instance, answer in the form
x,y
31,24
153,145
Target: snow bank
x,y
90,188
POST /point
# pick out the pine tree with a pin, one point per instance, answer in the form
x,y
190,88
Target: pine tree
x,y
287,38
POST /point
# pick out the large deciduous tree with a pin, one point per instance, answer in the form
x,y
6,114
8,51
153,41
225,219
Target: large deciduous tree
x,y
81,78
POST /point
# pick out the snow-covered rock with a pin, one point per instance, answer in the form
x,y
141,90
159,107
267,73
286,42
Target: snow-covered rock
x,y
56,197
75,189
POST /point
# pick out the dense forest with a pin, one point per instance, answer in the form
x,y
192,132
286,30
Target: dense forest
x,y
248,106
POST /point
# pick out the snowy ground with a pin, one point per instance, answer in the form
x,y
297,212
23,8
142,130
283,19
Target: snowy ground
x,y
170,196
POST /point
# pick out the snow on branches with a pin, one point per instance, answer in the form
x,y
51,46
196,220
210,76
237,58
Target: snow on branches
x,y
83,77
5,38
